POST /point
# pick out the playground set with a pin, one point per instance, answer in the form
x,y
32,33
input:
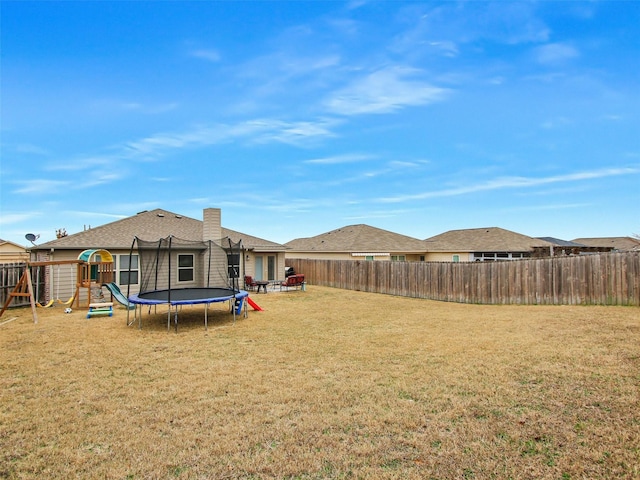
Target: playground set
x,y
93,269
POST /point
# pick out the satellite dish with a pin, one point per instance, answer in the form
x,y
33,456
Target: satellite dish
x,y
31,237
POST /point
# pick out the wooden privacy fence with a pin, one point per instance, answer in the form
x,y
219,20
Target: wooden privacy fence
x,y
599,279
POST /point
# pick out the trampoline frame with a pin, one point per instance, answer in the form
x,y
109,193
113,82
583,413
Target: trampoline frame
x,y
184,296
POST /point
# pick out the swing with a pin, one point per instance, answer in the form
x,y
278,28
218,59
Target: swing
x,y
73,294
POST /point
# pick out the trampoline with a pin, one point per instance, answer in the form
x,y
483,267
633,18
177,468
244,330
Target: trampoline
x,y
176,272
190,296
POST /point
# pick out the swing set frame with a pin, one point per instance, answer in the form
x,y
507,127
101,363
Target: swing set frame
x,y
54,299
24,287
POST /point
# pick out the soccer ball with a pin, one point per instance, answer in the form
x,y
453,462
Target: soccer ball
x,y
67,310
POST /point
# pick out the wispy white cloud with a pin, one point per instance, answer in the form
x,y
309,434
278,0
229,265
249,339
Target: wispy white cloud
x,y
100,179
449,27
206,54
508,22
8,218
82,163
514,182
275,70
339,159
557,122
555,53
154,147
355,4
384,91
259,130
555,206
446,47
115,106
31,149
403,164
294,133
41,186
88,214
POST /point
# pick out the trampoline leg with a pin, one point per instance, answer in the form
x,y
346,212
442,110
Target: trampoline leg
x,y
175,319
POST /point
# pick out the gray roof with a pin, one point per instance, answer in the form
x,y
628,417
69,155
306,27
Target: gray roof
x,y
490,239
561,243
617,243
253,243
358,238
150,225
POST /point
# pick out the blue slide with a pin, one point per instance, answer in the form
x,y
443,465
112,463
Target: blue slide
x,y
118,295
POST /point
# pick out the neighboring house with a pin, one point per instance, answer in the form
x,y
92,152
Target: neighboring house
x,y
565,247
261,258
357,242
483,245
618,244
12,252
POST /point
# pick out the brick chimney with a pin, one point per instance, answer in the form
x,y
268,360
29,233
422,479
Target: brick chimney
x,y
212,225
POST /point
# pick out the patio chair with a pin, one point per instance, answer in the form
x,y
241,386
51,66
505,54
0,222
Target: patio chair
x,y
249,282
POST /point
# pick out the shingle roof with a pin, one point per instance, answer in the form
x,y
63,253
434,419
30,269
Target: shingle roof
x,y
9,242
490,239
149,225
357,238
561,243
618,243
253,243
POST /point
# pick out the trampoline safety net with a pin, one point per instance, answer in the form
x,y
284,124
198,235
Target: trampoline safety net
x,y
171,263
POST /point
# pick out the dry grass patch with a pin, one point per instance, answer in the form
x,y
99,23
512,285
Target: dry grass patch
x,y
324,384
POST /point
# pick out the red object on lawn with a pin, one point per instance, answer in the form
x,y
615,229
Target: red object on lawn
x,y
254,305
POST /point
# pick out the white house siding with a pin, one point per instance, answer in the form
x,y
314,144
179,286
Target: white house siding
x,y
377,256
448,256
250,265
10,252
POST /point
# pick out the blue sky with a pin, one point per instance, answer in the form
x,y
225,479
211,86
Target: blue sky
x,y
297,118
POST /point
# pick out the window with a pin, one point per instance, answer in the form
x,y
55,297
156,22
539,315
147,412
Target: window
x,y
456,258
185,268
369,258
127,277
495,256
233,265
398,258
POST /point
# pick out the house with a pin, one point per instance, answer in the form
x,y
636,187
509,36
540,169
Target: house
x,y
12,252
567,247
357,242
261,258
483,245
617,244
